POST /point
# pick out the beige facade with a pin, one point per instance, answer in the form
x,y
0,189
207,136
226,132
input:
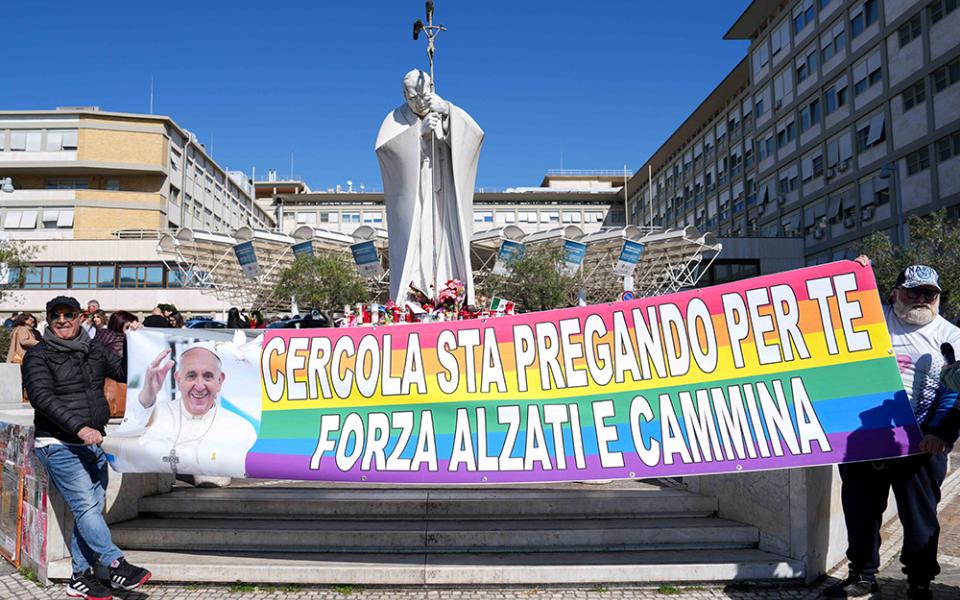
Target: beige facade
x,y
86,180
840,121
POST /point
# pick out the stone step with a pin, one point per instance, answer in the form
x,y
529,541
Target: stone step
x,y
642,567
404,536
435,503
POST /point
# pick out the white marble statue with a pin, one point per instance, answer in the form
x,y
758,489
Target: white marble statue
x,y
429,206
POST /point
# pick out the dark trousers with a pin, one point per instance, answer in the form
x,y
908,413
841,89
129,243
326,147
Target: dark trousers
x,y
916,484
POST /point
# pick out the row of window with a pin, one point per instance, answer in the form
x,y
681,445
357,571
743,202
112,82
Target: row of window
x,y
39,140
838,159
100,277
46,218
946,148
832,42
479,216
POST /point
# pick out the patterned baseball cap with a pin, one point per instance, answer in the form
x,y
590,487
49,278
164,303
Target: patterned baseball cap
x,y
918,276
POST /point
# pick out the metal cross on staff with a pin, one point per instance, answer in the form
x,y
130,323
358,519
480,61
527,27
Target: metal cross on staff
x,y
431,31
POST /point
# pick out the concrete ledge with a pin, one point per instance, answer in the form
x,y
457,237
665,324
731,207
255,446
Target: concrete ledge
x,y
650,567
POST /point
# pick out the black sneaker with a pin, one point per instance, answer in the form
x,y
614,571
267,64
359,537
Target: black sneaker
x,y
854,586
85,585
124,576
919,591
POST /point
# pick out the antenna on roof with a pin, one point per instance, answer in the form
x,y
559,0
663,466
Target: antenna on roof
x,y
151,94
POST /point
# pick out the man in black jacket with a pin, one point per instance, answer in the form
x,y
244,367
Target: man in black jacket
x,y
63,375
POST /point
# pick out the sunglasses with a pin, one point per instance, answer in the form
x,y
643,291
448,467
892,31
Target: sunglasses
x,y
66,316
918,293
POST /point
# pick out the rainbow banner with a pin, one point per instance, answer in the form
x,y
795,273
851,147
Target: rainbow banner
x,y
787,370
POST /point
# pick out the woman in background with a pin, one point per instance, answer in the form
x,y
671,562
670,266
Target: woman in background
x,y
113,338
235,320
23,336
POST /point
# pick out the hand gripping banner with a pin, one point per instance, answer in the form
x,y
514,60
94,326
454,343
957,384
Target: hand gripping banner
x,y
787,370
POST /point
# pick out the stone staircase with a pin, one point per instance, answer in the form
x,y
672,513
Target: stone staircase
x,y
301,533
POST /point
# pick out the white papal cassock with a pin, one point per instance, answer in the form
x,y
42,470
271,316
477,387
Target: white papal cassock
x,y
215,443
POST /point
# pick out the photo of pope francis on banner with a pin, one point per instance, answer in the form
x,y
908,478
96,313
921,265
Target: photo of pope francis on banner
x,y
193,405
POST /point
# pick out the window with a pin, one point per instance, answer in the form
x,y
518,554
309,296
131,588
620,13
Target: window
x,y
867,73
802,15
871,133
834,41
945,76
910,30
786,135
817,165
761,57
54,218
377,217
765,147
758,108
948,147
94,277
810,115
20,219
46,277
747,158
941,8
58,140
837,96
351,217
782,87
780,37
918,161
78,183
141,277
807,64
863,17
113,185
914,95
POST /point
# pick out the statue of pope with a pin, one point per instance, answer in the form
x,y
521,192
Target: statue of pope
x,y
428,151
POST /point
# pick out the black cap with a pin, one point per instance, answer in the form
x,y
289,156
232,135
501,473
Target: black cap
x,y
63,301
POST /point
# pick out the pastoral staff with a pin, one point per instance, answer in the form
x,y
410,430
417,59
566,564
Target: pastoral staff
x,y
918,334
195,436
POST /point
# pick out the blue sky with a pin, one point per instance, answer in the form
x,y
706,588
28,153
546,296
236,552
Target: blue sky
x,y
577,84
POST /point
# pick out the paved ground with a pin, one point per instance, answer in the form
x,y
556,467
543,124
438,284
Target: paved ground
x,y
947,587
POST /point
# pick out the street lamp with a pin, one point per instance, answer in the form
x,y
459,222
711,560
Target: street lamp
x,y
6,185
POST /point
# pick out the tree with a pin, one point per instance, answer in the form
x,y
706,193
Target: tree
x,y
934,241
13,270
326,281
14,263
536,281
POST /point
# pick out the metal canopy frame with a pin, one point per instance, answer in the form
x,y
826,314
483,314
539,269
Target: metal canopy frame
x,y
672,260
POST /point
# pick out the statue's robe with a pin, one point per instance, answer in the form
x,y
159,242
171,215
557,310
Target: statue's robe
x,y
412,192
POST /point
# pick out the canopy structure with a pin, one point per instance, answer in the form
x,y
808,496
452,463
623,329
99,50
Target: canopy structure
x,y
206,260
671,260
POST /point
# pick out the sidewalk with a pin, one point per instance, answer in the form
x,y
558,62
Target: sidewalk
x,y
947,586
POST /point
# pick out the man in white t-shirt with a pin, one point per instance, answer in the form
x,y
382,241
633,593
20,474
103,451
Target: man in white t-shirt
x,y
919,336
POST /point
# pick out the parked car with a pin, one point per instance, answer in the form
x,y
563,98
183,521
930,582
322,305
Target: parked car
x,y
205,323
313,319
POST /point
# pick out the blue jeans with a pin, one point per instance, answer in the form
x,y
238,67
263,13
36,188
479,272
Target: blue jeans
x,y
80,473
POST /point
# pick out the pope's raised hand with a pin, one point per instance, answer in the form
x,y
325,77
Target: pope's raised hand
x,y
154,377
